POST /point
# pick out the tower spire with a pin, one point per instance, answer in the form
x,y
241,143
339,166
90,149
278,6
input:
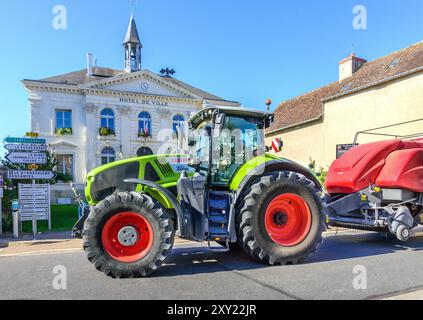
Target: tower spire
x,y
132,46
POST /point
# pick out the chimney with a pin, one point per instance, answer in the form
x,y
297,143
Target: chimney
x,y
90,64
349,66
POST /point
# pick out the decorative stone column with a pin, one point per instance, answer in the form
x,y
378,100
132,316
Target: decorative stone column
x,y
35,105
91,133
125,130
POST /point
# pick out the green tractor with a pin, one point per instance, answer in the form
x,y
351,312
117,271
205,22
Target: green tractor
x,y
231,192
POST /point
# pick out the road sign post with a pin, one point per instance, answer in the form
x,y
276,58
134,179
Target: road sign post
x,y
34,225
1,205
1,217
34,199
15,217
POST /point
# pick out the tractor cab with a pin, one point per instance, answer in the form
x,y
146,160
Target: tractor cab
x,y
223,139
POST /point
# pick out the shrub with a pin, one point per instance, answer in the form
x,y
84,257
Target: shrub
x,y
104,132
64,131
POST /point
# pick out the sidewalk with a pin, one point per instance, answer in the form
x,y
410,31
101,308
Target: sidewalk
x,y
63,242
43,243
8,241
46,243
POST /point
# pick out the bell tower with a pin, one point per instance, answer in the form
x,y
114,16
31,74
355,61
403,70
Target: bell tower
x,y
132,46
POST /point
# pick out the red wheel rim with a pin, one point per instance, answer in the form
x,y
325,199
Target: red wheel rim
x,y
288,220
137,247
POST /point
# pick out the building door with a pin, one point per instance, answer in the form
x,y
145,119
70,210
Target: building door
x,y
144,151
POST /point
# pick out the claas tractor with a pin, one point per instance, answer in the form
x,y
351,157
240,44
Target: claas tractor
x,y
378,186
230,193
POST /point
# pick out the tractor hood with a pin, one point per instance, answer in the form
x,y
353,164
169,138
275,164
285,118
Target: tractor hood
x,y
108,179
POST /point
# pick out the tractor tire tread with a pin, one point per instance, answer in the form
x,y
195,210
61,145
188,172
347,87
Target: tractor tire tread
x,y
92,235
245,230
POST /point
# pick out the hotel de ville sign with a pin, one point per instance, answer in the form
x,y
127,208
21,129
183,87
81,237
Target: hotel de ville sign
x,y
144,102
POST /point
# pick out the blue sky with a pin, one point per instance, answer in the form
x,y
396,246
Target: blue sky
x,y
242,50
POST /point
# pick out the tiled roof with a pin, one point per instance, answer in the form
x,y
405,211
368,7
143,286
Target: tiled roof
x,y
80,77
308,107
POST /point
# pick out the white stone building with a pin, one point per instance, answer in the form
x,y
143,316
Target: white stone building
x,y
98,115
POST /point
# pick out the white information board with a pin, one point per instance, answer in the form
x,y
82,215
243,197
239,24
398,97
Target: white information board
x,y
34,199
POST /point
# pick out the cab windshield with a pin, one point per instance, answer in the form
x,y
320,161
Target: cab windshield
x,y
240,140
237,141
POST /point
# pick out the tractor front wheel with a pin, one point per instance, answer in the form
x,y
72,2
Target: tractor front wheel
x,y
281,220
128,235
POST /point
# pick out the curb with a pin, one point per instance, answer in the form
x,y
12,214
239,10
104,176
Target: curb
x,y
12,243
19,243
41,252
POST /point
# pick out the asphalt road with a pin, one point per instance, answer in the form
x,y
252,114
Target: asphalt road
x,y
193,272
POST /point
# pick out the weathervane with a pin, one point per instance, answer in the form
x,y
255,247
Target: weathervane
x,y
167,72
132,2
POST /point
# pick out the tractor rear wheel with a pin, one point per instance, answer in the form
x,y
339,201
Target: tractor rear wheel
x,y
128,235
281,220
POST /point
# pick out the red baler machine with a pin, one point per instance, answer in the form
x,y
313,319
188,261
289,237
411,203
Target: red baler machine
x,y
378,186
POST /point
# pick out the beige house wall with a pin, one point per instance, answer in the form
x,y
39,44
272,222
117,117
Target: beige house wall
x,y
390,103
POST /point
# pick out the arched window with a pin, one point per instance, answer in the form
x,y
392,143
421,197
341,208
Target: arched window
x,y
144,151
178,123
108,155
144,124
108,119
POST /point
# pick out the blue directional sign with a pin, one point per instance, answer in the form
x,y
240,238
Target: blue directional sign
x,y
26,147
25,140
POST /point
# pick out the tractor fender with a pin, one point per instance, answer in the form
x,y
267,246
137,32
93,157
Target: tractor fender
x,y
274,166
169,196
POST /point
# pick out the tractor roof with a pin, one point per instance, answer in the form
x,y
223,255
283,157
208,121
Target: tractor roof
x,y
206,113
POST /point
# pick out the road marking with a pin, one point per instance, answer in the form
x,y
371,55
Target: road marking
x,y
40,253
